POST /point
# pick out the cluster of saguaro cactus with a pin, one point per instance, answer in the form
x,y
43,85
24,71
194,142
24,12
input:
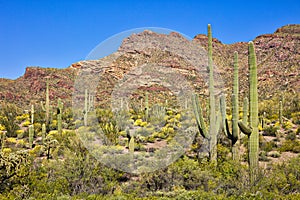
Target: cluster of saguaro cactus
x,y
252,129
88,105
59,116
214,119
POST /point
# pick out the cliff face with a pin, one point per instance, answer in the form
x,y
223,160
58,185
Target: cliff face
x,y
278,57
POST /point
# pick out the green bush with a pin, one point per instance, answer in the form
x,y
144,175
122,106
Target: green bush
x,y
270,131
289,145
291,136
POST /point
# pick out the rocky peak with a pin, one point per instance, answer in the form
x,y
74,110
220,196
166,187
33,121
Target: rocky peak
x,y
292,29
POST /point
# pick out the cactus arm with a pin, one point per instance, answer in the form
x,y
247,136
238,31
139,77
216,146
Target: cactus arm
x,y
199,116
218,121
245,110
244,128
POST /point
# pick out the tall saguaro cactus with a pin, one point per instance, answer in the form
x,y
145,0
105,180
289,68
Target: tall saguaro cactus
x,y
252,129
212,116
147,107
59,116
43,133
31,135
88,105
214,120
46,108
280,112
234,136
32,114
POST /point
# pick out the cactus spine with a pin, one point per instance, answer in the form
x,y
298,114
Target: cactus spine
x,y
59,116
214,120
252,129
31,134
46,108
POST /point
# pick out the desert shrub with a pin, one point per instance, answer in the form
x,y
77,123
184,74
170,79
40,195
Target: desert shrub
x,y
287,125
263,156
270,131
274,154
291,136
289,145
296,117
268,146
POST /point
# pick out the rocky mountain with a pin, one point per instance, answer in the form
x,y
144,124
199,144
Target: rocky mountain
x,y
278,57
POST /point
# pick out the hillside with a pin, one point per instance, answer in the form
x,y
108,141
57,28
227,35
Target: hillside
x,y
278,56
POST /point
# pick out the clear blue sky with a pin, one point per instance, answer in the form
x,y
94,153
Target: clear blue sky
x,y
57,33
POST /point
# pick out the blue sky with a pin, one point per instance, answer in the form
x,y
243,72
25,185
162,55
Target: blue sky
x,y
57,33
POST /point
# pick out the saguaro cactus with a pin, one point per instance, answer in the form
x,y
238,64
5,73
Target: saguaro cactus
x,y
280,112
3,140
88,105
252,129
43,133
146,107
214,120
31,135
130,141
46,108
59,116
32,114
234,136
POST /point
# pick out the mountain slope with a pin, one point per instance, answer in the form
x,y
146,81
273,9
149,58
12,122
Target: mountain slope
x,y
278,57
